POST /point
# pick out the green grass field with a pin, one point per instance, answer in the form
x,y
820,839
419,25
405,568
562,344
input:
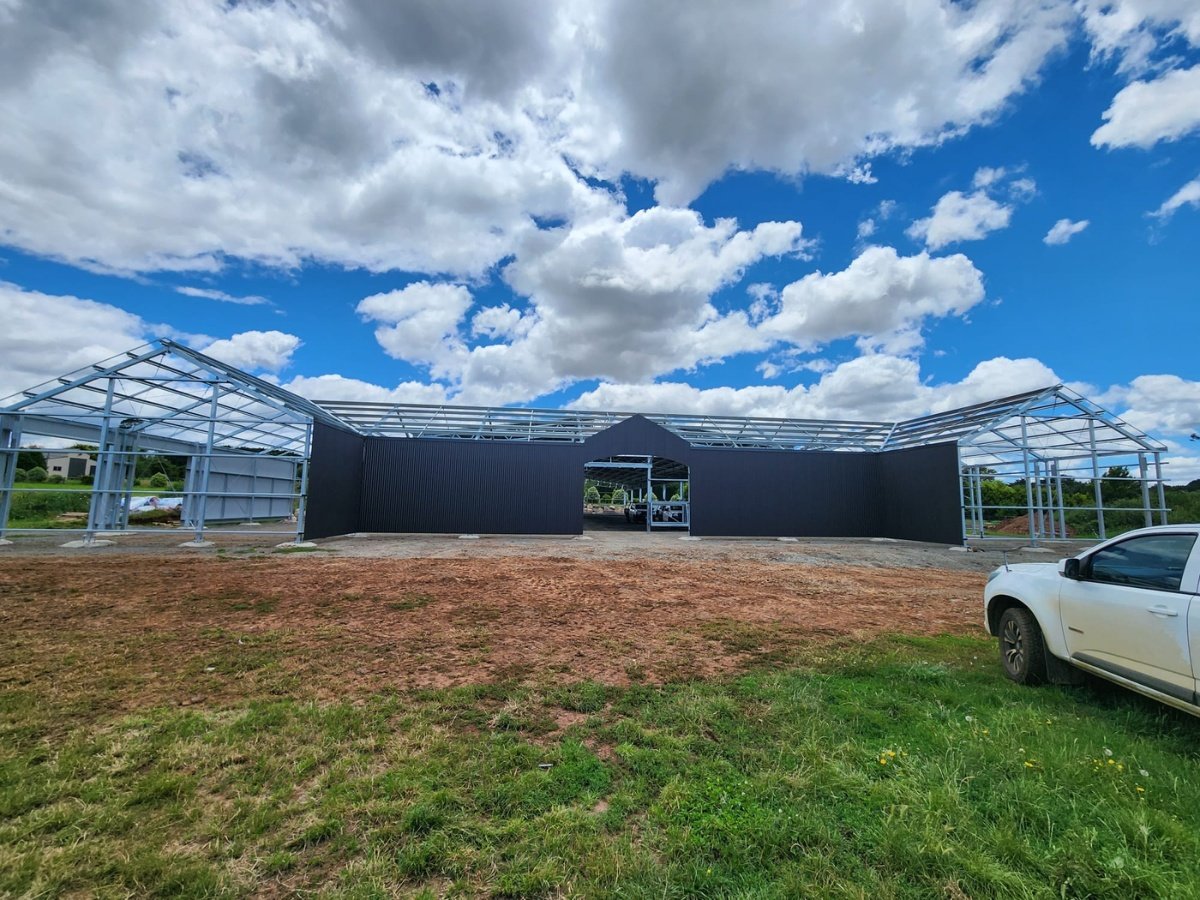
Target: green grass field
x,y
903,768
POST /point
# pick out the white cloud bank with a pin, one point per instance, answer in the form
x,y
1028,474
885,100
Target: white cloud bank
x,y
47,335
630,299
436,137
873,387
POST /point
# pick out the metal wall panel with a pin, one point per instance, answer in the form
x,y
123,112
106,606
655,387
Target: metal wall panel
x,y
780,493
335,482
922,500
257,477
520,487
471,487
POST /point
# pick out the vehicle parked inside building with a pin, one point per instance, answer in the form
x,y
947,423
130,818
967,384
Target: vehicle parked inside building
x,y
1127,610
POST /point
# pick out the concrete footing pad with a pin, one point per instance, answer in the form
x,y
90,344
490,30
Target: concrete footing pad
x,y
688,537
294,545
789,540
198,545
86,545
468,537
4,542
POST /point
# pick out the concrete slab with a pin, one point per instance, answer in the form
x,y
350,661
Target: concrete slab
x,y
86,545
198,545
292,545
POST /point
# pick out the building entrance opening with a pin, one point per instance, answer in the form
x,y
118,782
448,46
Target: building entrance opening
x,y
632,492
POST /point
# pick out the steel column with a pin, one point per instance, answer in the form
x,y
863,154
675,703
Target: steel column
x,y
1028,485
302,505
1145,475
1062,503
1096,488
103,463
1162,495
10,448
207,464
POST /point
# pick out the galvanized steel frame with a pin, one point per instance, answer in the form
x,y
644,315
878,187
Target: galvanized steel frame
x,y
167,398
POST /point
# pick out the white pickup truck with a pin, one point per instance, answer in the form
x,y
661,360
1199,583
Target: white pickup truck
x,y
1127,610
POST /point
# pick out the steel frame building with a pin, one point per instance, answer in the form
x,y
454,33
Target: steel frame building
x,y
250,443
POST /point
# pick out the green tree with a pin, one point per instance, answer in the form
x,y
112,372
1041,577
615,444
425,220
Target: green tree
x,y
31,459
20,475
997,494
1116,489
159,481
591,493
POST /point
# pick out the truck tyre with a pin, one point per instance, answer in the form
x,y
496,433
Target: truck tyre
x,y
1022,650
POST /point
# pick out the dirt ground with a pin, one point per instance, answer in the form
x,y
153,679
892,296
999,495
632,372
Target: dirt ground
x,y
370,614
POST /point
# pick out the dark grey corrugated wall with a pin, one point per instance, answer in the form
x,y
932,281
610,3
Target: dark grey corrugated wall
x,y
456,487
494,487
781,493
922,499
335,481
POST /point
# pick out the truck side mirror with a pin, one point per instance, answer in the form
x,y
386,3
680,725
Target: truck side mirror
x,y
1072,569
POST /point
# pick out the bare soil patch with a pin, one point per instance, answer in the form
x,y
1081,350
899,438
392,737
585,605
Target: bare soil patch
x,y
129,631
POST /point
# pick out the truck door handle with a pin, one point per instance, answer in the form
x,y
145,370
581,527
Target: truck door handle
x,y
1163,611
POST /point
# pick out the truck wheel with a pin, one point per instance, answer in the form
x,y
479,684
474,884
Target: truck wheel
x,y
1022,650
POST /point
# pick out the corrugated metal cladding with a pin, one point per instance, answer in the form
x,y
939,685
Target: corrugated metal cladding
x,y
335,481
471,487
493,487
923,500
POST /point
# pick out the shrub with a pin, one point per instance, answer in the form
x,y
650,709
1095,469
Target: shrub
x,y
86,479
159,481
55,479
21,475
44,505
36,474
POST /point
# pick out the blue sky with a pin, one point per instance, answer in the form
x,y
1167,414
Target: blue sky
x,y
794,209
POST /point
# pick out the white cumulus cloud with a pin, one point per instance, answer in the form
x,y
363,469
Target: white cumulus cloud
x,y
715,102
1135,31
1063,230
255,351
1158,403
1146,112
1188,195
420,323
879,296
47,335
960,217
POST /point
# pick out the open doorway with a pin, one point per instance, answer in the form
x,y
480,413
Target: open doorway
x,y
632,492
